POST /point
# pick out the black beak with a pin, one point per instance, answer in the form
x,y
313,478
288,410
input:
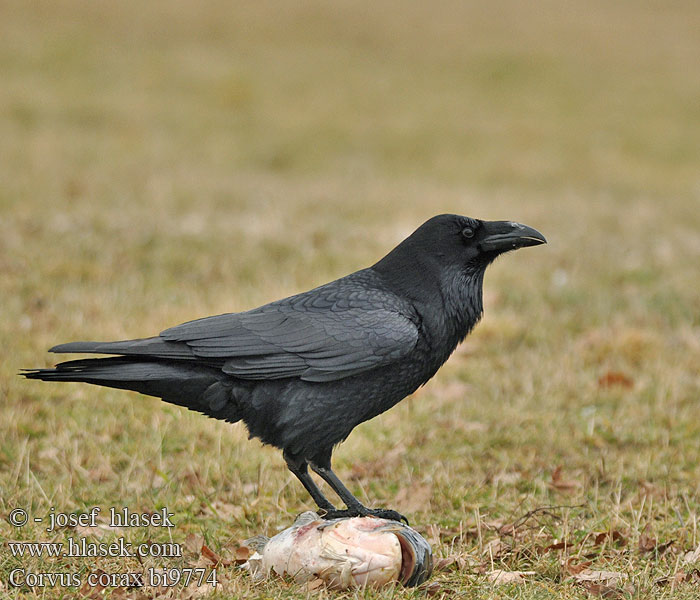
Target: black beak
x,y
501,236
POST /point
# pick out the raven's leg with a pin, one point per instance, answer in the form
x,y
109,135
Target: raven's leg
x,y
322,466
298,466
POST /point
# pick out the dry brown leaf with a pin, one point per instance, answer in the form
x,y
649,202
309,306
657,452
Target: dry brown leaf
x,y
692,557
646,543
241,554
213,557
315,585
673,579
558,483
503,528
605,577
432,589
500,577
92,592
458,562
574,568
615,378
692,577
615,536
443,564
557,546
679,578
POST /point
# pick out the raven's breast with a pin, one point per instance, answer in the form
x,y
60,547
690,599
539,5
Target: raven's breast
x,y
311,417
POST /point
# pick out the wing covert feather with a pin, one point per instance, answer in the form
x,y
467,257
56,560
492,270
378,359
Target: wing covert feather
x,y
325,334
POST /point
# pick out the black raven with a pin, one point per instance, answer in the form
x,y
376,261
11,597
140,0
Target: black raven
x,y
302,372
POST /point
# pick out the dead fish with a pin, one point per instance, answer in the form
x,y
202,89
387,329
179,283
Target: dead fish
x,y
344,553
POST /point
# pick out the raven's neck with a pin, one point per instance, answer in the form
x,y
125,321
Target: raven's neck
x,y
464,300
449,301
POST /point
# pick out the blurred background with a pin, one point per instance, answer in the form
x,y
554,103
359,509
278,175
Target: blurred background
x,y
163,161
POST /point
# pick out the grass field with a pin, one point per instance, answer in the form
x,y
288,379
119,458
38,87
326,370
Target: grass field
x,y
165,161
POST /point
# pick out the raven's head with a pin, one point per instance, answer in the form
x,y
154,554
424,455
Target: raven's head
x,y
483,241
448,255
447,241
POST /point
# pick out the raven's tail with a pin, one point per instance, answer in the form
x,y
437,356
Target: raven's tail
x,y
200,388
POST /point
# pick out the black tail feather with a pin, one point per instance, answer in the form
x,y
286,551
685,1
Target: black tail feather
x,y
200,388
154,346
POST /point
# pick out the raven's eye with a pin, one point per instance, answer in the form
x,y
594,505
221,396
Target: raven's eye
x,y
467,233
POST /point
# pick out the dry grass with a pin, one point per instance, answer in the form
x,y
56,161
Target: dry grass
x,y
166,161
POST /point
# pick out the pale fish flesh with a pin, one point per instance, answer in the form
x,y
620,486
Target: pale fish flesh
x,y
344,553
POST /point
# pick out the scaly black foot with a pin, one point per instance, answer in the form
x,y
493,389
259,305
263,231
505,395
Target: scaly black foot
x,y
355,508
338,514
386,513
380,513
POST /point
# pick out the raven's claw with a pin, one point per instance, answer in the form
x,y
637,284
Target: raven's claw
x,y
385,513
380,513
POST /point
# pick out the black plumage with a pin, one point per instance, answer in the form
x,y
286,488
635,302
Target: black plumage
x,y
302,372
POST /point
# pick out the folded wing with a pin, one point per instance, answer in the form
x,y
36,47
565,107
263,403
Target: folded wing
x,y
335,331
316,337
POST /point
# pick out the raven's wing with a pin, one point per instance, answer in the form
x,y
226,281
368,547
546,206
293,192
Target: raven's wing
x,y
329,333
